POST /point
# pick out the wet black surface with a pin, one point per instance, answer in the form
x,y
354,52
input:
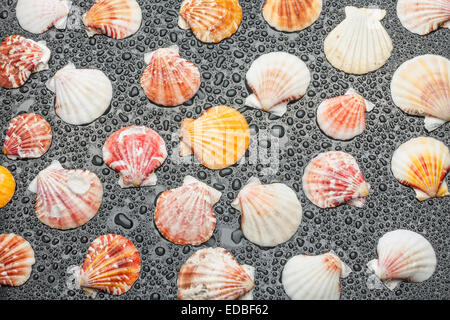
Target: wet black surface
x,y
352,233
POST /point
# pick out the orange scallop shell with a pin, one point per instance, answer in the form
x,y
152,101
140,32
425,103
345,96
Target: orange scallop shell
x,y
219,138
117,19
213,274
7,186
16,260
19,58
291,15
211,20
28,136
185,215
112,265
169,80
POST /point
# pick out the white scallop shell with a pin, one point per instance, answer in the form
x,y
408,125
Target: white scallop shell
x,y
424,16
81,95
421,86
359,44
276,79
403,255
271,213
314,277
37,16
333,178
117,19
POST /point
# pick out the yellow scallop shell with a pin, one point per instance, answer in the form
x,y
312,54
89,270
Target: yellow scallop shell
x,y
422,164
7,186
219,138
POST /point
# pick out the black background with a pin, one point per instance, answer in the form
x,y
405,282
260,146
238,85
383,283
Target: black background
x,y
352,233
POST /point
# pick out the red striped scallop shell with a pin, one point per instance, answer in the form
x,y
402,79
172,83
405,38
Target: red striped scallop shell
x,y
28,136
334,178
19,58
112,265
16,260
169,80
185,215
213,274
66,199
343,117
135,152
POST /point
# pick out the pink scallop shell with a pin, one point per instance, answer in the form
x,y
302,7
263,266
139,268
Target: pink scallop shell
x,y
135,152
334,178
213,274
28,136
185,215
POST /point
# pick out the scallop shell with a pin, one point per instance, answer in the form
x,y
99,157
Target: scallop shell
x,y
185,215
291,15
343,117
81,95
424,16
276,78
422,164
7,186
169,80
403,255
28,136
251,272
421,86
135,152
112,265
271,213
210,20
359,44
66,199
117,19
334,178
16,260
219,138
37,16
313,277
212,274
19,58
